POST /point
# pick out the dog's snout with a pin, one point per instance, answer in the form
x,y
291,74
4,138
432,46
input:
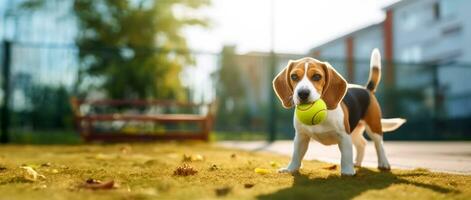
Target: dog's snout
x,y
303,94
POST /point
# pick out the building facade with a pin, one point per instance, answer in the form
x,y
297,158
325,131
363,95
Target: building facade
x,y
425,44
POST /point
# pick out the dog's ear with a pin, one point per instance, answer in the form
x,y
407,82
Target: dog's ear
x,y
334,88
282,86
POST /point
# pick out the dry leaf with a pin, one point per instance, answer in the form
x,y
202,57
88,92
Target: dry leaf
x,y
249,185
213,167
32,175
333,167
185,170
94,184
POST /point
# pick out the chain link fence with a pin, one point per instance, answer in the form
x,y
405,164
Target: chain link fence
x,y
39,79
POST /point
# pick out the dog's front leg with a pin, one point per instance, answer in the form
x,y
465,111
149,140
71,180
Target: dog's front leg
x,y
346,151
301,143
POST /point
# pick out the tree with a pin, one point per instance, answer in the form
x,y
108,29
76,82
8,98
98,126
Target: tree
x,y
136,48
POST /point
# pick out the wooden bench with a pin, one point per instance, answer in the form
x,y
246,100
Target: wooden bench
x,y
85,121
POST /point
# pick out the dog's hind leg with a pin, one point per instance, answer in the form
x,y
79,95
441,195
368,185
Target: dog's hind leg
x,y
383,163
359,142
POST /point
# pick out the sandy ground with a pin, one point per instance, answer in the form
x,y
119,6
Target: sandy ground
x,y
454,157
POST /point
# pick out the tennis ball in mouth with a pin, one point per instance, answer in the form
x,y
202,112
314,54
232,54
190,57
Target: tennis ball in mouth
x,y
312,113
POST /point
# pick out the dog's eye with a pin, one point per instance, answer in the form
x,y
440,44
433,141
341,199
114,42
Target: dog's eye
x,y
316,77
294,77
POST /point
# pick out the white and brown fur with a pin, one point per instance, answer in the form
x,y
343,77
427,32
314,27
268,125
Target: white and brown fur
x,y
307,80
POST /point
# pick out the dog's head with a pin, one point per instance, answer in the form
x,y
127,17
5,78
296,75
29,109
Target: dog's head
x,y
307,80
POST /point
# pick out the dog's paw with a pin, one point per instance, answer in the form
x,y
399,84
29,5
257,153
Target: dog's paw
x,y
288,170
348,172
384,166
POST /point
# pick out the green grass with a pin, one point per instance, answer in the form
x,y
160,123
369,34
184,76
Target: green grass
x,y
240,135
45,137
145,171
72,137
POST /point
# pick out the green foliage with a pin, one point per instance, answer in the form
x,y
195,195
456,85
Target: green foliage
x,y
135,48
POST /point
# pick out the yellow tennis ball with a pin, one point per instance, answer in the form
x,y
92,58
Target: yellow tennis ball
x,y
312,113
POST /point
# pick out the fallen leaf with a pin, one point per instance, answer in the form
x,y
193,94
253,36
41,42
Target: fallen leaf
x,y
213,167
223,191
31,174
92,181
185,170
262,171
249,185
94,184
332,167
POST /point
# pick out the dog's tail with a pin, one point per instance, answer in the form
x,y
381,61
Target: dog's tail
x,y
392,124
375,71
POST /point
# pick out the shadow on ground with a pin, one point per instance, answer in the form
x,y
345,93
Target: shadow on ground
x,y
337,187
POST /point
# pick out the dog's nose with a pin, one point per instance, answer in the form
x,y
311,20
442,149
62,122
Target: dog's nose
x,y
303,94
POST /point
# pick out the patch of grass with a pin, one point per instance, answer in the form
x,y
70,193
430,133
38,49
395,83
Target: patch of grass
x,y
45,137
146,171
234,135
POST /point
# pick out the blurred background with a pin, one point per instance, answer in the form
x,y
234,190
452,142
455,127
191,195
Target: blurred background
x,y
226,53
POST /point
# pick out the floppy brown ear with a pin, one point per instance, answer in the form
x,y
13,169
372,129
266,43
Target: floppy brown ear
x,y
335,87
283,88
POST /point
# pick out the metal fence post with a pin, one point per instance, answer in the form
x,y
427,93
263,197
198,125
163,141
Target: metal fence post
x,y
271,105
4,137
272,110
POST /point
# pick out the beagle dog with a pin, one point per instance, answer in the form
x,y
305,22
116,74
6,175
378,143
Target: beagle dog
x,y
350,110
